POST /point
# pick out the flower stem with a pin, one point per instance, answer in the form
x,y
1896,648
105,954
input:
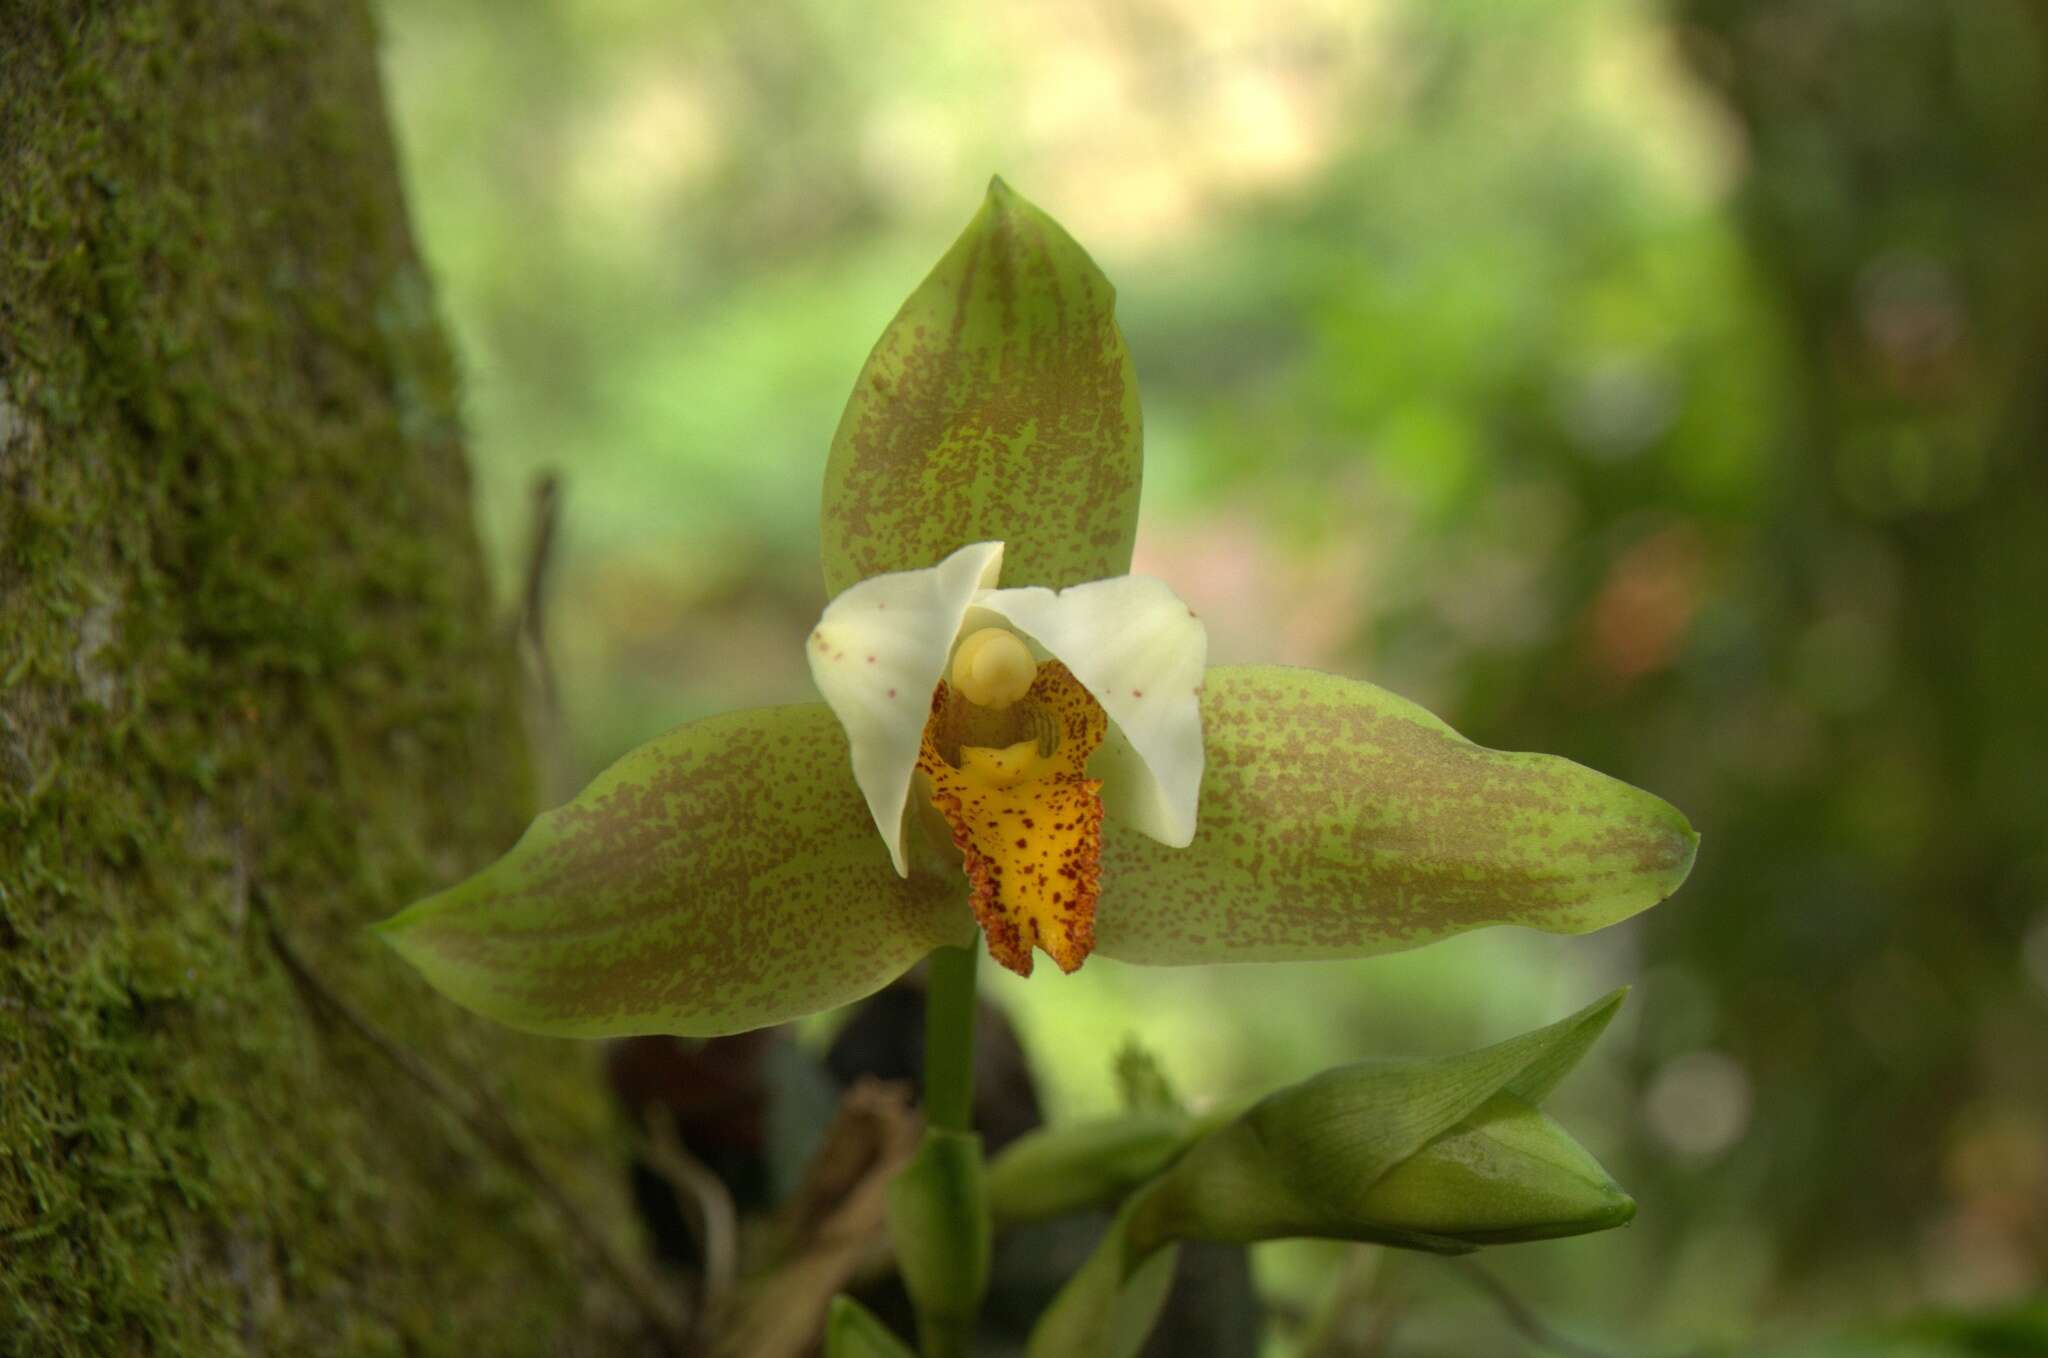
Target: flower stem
x,y
949,1038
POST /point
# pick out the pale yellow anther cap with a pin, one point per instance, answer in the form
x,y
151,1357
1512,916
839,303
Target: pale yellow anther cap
x,y
993,668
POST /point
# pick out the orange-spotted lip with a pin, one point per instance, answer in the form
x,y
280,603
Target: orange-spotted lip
x,y
1027,821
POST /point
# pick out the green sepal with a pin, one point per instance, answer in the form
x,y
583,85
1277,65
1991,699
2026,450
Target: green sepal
x,y
722,877
1339,820
999,405
851,1331
1444,1155
939,1221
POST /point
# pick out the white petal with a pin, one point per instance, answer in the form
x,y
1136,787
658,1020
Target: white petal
x,y
1140,650
877,654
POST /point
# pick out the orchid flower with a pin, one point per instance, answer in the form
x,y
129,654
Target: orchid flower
x,y
1041,684
1017,735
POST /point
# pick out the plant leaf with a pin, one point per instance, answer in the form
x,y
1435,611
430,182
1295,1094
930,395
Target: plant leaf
x,y
722,877
1108,1308
851,1331
999,405
1338,820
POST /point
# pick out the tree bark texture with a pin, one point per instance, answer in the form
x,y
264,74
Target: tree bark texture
x,y
247,673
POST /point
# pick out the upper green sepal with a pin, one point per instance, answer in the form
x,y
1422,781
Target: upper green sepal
x,y
1339,820
721,877
999,405
1443,1155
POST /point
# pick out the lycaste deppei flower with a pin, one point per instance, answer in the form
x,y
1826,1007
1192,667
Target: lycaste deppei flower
x,y
1038,689
1030,729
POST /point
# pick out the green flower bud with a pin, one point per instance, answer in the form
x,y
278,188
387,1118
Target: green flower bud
x,y
1438,1155
1506,1174
938,1217
1441,1155
851,1331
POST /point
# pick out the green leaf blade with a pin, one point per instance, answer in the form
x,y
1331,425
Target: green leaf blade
x,y
1339,820
1000,404
1108,1308
722,877
852,1331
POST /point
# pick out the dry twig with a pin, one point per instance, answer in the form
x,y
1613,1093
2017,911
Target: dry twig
x,y
708,1206
834,1225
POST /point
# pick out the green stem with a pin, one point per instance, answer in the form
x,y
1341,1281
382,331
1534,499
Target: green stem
x,y
951,1337
949,1038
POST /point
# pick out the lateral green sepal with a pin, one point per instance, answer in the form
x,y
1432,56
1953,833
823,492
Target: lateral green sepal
x,y
721,877
1339,820
999,405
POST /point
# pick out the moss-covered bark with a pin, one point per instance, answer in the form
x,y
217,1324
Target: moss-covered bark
x,y
244,656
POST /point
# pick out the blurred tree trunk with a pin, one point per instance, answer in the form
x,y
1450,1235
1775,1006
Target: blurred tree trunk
x,y
247,669
1896,203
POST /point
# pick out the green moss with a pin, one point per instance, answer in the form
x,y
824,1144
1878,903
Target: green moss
x,y
244,644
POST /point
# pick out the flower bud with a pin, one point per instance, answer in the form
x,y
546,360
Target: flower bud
x,y
1438,1155
1506,1174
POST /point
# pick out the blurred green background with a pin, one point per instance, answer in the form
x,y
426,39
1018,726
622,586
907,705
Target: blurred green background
x,y
1663,386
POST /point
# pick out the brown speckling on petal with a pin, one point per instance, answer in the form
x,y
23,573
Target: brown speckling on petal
x,y
999,405
1338,820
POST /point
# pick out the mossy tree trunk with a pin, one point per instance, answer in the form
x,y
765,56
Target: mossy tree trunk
x,y
247,671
